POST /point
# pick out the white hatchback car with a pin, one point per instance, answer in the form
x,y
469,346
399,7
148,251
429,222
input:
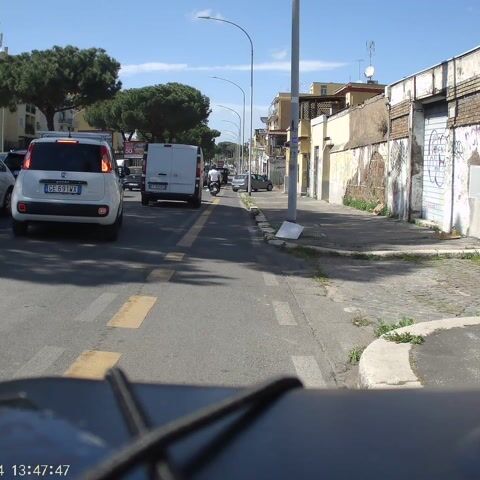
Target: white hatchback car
x,y
7,181
73,180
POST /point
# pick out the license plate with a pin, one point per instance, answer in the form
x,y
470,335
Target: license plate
x,y
67,189
157,186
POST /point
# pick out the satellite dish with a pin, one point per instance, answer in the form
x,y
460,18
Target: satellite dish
x,y
369,71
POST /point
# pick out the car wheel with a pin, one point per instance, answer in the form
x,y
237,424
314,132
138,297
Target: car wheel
x,y
7,203
255,189
145,200
235,189
19,228
269,187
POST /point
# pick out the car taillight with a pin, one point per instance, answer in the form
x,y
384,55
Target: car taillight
x,y
27,161
198,171
106,161
22,207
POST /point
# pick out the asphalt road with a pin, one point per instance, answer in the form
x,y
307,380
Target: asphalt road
x,y
184,296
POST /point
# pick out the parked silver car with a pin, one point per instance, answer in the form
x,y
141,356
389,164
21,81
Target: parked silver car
x,y
259,182
7,181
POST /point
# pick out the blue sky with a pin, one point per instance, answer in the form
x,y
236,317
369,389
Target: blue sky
x,y
158,41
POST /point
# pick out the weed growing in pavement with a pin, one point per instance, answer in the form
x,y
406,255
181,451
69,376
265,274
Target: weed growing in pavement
x,y
320,277
247,200
405,337
474,257
354,355
384,327
361,321
304,252
359,204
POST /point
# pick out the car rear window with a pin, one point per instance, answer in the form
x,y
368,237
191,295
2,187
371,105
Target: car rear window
x,y
66,157
14,161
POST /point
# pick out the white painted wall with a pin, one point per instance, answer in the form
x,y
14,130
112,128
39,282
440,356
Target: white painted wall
x,y
466,213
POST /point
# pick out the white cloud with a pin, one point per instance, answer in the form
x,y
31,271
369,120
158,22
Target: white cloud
x,y
207,12
277,66
280,54
135,69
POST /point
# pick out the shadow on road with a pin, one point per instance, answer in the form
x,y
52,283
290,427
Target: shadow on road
x,y
74,254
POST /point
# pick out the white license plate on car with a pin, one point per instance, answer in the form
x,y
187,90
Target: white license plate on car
x,y
67,189
157,186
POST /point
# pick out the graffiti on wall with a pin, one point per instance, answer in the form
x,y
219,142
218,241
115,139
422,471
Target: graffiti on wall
x,y
440,149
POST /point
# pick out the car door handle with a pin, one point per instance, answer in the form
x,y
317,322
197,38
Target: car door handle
x,y
162,174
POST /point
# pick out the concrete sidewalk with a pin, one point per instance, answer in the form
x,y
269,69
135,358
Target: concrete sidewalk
x,y
448,358
350,231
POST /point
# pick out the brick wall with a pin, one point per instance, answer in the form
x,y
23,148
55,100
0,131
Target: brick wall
x,y
468,111
399,128
462,89
399,120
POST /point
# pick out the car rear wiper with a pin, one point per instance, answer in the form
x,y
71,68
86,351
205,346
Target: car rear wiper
x,y
149,446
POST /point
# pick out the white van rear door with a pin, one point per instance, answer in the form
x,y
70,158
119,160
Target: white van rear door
x,y
184,169
159,167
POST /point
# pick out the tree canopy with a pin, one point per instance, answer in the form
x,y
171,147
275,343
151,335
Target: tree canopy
x,y
159,112
172,112
58,79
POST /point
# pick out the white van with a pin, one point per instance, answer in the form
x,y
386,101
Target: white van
x,y
172,172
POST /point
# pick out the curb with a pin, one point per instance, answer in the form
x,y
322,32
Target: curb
x,y
386,365
269,237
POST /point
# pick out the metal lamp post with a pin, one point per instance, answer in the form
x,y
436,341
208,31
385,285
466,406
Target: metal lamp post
x,y
236,137
242,163
204,17
233,111
239,138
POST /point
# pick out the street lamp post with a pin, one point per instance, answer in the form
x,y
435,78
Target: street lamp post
x,y
242,162
239,138
204,17
233,111
236,136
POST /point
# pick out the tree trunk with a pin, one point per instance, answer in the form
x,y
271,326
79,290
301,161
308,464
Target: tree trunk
x,y
50,114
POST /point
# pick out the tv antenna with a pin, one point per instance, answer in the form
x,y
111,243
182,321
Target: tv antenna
x,y
370,70
360,61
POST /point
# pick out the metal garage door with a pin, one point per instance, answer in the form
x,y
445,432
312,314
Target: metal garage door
x,y
435,152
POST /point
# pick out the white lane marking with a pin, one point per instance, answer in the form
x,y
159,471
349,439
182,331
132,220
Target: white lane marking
x,y
283,313
270,279
96,307
40,362
309,372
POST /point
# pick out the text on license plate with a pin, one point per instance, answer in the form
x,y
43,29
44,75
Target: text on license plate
x,y
68,189
157,186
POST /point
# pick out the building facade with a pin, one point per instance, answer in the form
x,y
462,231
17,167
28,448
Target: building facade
x,y
414,148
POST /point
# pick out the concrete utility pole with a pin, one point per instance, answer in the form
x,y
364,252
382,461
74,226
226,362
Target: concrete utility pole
x,y
295,69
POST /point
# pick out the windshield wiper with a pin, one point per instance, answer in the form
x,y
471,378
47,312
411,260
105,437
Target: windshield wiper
x,y
150,445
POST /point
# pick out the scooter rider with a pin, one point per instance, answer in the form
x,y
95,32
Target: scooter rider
x,y
214,176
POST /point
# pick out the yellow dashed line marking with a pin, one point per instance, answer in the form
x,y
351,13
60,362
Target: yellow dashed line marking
x,y
133,312
92,364
188,239
160,275
174,256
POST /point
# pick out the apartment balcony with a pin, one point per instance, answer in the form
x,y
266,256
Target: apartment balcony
x,y
304,128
